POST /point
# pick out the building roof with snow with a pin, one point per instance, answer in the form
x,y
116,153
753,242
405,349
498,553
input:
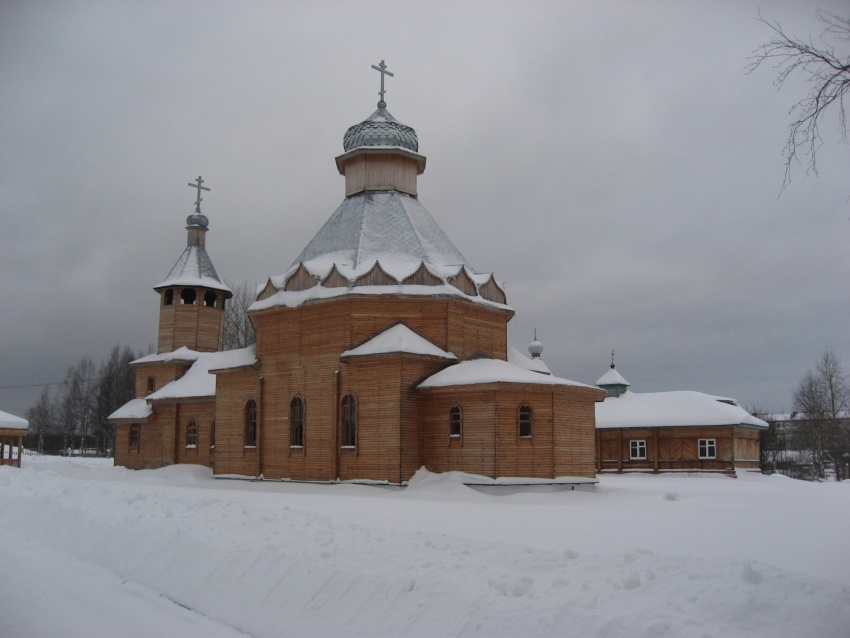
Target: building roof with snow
x,y
397,339
12,422
480,371
627,409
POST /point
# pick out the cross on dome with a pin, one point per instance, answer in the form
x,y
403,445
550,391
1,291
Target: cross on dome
x,y
382,69
200,188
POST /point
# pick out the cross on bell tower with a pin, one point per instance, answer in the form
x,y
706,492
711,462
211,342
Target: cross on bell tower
x,y
200,188
382,69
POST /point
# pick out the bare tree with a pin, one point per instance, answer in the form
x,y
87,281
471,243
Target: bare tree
x,y
238,329
40,415
826,72
79,400
822,398
115,386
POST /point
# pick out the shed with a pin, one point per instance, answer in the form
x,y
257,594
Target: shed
x,y
13,429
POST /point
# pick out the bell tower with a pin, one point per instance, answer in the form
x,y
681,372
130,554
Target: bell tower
x,y
192,296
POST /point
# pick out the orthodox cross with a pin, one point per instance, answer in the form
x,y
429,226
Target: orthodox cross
x,y
200,188
382,69
612,358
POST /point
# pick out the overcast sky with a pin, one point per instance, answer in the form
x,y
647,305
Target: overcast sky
x,y
609,161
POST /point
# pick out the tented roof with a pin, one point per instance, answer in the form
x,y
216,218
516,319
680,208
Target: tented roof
x,y
194,268
374,224
612,377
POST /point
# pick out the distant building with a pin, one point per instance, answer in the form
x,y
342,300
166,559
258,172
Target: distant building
x,y
682,431
379,350
13,429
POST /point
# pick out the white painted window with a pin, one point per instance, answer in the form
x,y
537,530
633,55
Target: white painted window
x,y
707,448
637,450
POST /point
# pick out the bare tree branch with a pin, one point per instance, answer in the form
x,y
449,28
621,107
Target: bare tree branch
x,y
827,73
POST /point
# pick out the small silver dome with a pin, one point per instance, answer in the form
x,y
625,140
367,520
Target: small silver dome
x,y
380,129
535,348
197,219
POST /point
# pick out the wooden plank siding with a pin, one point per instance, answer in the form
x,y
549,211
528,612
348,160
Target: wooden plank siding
x,y
676,449
196,326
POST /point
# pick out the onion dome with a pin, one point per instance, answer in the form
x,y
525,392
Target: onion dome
x,y
197,219
380,129
535,349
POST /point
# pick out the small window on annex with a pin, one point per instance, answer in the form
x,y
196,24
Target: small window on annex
x,y
168,298
349,421
192,434
637,450
455,421
707,448
251,424
209,299
188,296
151,384
212,434
524,419
296,422
134,436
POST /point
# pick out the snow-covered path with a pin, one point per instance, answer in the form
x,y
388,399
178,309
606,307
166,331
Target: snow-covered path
x,y
115,552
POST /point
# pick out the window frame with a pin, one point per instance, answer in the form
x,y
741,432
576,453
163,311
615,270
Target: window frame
x,y
348,422
297,421
707,449
525,419
250,419
192,434
455,422
212,435
637,450
135,436
151,384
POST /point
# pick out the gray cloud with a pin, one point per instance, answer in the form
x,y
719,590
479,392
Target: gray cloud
x,y
610,161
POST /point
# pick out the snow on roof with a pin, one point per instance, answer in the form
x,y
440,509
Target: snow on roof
x,y
193,268
198,380
12,422
181,354
480,371
666,409
134,409
612,377
399,338
519,359
374,223
293,299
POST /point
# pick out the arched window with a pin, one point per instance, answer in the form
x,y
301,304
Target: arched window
x,y
192,434
524,421
168,299
455,421
188,296
251,424
296,422
212,434
349,421
209,299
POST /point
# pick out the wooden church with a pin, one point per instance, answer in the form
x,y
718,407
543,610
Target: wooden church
x,y
379,351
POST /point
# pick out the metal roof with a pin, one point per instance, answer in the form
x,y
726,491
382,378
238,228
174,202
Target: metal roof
x,y
194,268
380,129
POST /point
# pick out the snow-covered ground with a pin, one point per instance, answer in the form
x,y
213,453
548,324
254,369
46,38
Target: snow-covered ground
x,y
87,549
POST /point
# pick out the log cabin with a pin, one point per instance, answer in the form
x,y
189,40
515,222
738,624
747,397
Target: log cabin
x,y
682,431
379,350
13,429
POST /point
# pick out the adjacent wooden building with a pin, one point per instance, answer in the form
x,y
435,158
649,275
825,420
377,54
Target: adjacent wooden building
x,y
672,431
13,429
378,351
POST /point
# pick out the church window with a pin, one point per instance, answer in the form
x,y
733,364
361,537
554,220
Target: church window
x,y
637,450
134,436
455,421
349,421
707,448
296,422
251,424
151,384
524,419
209,299
188,296
212,434
192,434
168,299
